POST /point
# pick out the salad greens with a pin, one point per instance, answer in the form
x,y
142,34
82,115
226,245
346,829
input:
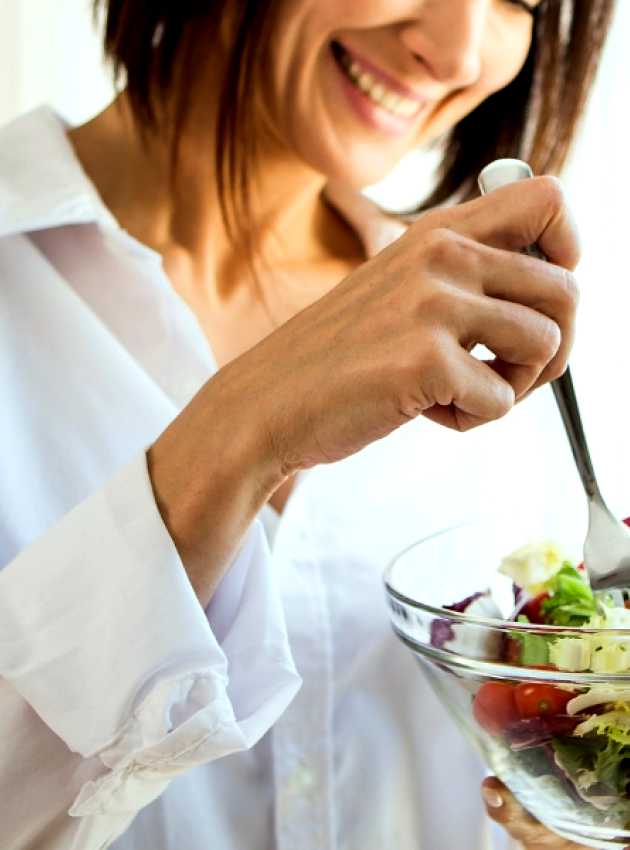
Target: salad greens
x,y
576,736
571,601
595,760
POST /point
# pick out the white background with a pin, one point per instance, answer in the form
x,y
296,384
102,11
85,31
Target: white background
x,y
50,53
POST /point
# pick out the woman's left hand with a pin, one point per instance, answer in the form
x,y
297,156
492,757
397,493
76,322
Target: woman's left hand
x,y
503,809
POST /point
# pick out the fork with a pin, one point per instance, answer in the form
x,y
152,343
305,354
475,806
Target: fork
x,y
607,544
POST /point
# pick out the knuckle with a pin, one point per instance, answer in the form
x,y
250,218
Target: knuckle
x,y
568,289
434,370
556,369
444,249
505,399
552,191
436,305
437,244
549,339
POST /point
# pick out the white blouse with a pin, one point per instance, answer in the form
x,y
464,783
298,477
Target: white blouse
x,y
130,717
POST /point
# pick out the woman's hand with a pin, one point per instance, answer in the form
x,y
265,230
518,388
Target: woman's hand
x,y
391,342
503,809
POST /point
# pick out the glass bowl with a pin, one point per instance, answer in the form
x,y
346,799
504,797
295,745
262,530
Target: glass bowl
x,y
515,715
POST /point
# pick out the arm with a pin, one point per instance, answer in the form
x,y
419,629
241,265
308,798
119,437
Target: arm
x,y
391,342
112,675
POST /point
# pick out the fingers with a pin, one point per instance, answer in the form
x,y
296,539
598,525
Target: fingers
x,y
546,288
519,215
524,341
502,807
513,278
467,392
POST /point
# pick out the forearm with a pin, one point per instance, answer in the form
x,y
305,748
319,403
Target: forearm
x,y
212,470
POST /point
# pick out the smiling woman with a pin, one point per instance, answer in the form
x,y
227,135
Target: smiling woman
x,y
221,313
520,93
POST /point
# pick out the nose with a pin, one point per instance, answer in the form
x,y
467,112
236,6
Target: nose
x,y
446,36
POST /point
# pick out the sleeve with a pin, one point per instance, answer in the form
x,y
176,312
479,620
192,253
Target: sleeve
x,y
102,634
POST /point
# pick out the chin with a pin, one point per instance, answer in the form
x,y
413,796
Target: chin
x,y
356,166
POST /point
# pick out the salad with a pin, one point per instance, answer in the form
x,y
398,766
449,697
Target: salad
x,y
574,739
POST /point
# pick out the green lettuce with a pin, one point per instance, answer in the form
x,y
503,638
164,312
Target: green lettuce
x,y
571,602
612,766
608,760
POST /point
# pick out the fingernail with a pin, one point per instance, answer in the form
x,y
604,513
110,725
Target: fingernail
x,y
492,797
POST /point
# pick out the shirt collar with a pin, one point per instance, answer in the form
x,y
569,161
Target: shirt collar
x,y
42,185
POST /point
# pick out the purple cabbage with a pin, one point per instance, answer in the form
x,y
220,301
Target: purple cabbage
x,y
468,639
518,595
442,630
462,607
441,633
536,731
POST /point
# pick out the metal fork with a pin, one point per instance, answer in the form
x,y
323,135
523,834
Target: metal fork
x,y
607,544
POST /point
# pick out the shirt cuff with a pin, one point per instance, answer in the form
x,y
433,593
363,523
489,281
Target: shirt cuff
x,y
102,633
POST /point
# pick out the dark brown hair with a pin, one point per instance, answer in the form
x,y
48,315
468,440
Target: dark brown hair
x,y
158,46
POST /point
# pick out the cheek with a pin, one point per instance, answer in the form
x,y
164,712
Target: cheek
x,y
504,56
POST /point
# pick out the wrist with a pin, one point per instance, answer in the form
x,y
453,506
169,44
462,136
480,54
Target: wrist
x,y
212,470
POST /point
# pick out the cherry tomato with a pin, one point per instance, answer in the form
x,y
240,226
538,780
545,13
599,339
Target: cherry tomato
x,y
532,610
540,700
494,707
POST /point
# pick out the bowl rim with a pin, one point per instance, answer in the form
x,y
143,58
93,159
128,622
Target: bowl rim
x,y
487,622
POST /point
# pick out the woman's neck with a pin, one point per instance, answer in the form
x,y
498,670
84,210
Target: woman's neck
x,y
182,220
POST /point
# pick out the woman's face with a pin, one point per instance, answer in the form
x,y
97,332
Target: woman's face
x,y
356,84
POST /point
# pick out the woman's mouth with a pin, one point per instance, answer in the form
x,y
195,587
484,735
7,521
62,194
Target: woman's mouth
x,y
372,86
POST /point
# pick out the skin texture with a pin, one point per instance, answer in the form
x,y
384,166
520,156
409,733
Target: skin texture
x,y
322,354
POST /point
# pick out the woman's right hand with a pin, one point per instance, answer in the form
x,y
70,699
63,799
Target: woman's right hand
x,y
391,342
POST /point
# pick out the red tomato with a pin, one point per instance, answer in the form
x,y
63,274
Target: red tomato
x,y
531,609
494,707
539,700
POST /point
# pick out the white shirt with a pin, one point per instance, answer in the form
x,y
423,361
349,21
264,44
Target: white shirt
x,y
131,718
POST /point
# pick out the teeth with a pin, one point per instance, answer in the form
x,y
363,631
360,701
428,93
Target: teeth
x,y
376,91
366,82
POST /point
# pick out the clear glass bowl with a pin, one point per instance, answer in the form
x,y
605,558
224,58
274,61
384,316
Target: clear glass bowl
x,y
460,653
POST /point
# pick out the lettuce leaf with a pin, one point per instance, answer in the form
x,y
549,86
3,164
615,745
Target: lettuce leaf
x,y
571,602
612,766
578,754
609,760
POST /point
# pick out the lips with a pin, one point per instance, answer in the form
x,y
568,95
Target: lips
x,y
378,86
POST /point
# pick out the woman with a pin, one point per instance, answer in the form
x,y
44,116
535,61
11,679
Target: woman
x,y
143,621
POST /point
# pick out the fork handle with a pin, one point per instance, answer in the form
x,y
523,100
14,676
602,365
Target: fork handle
x,y
564,392
500,173
566,400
